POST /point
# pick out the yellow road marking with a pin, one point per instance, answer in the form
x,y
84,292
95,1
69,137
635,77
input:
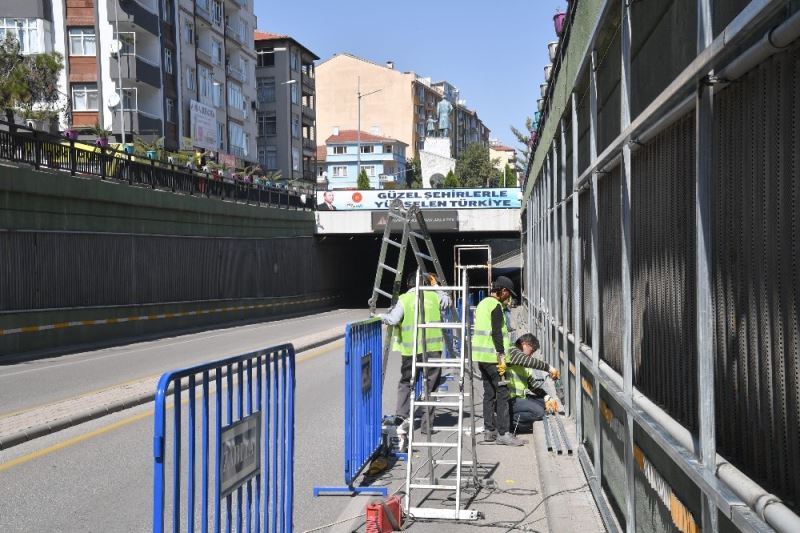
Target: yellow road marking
x,y
312,354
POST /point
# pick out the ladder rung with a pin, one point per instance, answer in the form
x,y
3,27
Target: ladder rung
x,y
455,364
441,325
387,267
434,444
379,291
416,234
424,256
398,217
431,487
436,404
443,514
452,288
393,243
450,394
451,462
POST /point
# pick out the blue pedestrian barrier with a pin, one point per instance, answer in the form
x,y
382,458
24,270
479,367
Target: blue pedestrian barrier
x,y
228,463
363,394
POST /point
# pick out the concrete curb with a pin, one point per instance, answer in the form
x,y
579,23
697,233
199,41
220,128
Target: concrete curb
x,y
302,345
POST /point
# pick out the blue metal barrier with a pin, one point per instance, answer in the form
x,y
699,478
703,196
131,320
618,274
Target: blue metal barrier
x,y
363,394
249,462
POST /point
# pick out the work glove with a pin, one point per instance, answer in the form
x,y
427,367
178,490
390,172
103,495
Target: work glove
x,y
555,373
382,317
551,405
501,365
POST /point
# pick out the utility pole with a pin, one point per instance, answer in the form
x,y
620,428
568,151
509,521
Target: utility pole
x,y
119,78
358,132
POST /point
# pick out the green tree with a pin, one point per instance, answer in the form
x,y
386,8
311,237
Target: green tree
x,y
510,176
451,181
363,180
29,83
414,173
474,168
524,138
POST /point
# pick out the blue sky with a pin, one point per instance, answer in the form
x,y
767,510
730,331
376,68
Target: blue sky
x,y
494,51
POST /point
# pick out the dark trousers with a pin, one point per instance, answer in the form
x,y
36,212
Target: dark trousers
x,y
526,411
495,399
406,386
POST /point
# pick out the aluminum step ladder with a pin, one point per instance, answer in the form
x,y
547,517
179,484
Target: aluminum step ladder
x,y
443,480
410,223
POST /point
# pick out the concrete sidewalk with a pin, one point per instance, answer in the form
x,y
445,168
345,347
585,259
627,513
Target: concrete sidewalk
x,y
29,424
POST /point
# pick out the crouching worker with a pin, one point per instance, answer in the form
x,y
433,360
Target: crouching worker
x,y
527,400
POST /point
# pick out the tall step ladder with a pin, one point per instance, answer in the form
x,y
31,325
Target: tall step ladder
x,y
444,474
410,224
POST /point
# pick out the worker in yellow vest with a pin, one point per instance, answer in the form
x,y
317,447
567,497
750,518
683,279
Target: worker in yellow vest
x,y
528,401
490,342
402,317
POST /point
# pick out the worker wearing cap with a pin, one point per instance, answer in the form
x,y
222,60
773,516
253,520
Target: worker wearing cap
x,y
402,316
490,342
525,408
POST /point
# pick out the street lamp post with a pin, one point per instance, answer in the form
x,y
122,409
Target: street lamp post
x,y
358,131
119,79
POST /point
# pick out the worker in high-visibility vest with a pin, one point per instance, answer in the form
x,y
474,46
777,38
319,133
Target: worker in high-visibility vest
x,y
402,317
490,342
526,408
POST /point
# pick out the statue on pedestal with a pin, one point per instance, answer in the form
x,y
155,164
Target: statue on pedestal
x,y
431,126
444,108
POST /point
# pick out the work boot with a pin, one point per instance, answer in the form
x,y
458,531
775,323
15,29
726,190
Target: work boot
x,y
507,439
489,436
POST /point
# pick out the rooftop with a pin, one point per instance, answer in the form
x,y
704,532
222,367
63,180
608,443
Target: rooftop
x,y
351,136
260,36
322,152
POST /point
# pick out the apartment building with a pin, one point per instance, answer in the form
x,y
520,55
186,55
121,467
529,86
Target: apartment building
x,y
382,159
286,107
137,67
395,104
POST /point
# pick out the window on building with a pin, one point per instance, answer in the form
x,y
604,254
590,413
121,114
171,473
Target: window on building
x,y
339,150
188,30
235,98
266,57
294,60
216,94
171,110
202,4
293,91
295,159
169,8
82,42
221,135
236,136
340,171
369,169
271,158
168,60
190,74
129,99
367,149
267,124
216,11
25,31
216,52
387,148
244,66
296,127
266,90
84,97
128,40
204,81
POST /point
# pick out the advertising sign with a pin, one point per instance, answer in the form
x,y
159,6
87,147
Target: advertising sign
x,y
500,198
204,125
240,451
435,220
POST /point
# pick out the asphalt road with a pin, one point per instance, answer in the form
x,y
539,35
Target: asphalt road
x,y
98,476
42,381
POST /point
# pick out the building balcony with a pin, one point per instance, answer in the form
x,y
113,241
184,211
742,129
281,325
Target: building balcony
x,y
203,54
236,4
131,67
134,12
238,151
235,32
236,73
309,115
236,113
309,84
309,145
309,174
140,123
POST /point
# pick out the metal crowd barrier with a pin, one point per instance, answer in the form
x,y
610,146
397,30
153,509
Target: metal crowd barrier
x,y
244,429
363,393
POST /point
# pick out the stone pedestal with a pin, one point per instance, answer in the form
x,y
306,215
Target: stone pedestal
x,y
435,160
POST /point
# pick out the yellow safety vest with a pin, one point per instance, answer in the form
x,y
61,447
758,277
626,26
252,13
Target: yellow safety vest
x,y
404,332
482,344
517,377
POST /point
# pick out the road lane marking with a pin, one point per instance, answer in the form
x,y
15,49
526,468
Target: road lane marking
x,y
311,354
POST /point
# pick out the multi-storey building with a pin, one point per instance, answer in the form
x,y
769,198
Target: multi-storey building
x,y
286,107
399,107
382,159
175,69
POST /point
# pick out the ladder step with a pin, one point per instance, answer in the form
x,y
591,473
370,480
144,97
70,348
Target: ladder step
x,y
416,234
396,217
455,364
451,462
424,256
437,288
379,291
431,487
443,514
435,404
449,394
393,243
441,325
387,267
434,445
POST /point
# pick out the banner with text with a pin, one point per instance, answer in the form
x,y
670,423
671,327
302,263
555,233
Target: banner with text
x,y
343,200
204,125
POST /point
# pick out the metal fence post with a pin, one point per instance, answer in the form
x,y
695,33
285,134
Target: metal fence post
x,y
577,274
73,158
564,269
704,107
